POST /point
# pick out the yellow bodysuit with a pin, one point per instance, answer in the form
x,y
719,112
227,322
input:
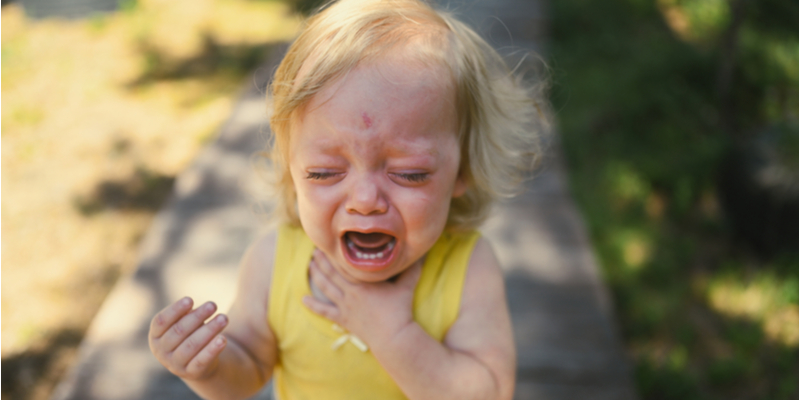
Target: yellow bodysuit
x,y
318,360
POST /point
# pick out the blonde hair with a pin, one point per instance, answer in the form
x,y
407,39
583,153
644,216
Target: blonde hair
x,y
500,115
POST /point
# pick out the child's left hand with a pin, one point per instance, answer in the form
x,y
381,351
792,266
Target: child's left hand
x,y
372,311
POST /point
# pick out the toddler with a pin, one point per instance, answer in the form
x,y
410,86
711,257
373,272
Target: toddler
x,y
395,127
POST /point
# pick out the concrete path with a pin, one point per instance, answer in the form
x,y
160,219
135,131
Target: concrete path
x,y
564,330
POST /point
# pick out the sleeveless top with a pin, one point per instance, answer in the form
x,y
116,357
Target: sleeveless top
x,y
319,360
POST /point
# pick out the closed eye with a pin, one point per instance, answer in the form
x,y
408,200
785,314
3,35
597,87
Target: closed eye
x,y
415,177
318,176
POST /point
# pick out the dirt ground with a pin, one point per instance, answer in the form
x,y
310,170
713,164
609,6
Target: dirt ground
x,y
98,117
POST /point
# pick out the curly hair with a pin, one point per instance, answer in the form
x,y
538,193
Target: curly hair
x,y
501,116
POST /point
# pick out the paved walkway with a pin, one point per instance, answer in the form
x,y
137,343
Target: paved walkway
x,y
566,340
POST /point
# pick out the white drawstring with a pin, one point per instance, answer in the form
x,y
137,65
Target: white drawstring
x,y
347,337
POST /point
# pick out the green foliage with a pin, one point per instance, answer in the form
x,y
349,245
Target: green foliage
x,y
723,373
647,123
306,7
128,6
665,383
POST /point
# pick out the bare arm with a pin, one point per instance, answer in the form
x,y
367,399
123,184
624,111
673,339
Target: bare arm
x,y
236,363
477,358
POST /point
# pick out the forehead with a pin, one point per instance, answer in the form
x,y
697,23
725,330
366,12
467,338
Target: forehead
x,y
391,78
392,100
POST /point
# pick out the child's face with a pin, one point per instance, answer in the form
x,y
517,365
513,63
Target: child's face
x,y
375,163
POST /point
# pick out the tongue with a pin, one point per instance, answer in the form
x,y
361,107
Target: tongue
x,y
369,240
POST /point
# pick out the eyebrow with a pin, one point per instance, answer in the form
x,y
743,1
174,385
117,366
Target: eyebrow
x,y
403,149
327,146
412,150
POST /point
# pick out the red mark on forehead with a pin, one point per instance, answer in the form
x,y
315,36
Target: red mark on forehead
x,y
367,120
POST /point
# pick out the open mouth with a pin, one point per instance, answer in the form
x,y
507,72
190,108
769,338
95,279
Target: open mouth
x,y
372,250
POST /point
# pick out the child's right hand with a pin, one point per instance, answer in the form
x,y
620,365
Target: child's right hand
x,y
183,343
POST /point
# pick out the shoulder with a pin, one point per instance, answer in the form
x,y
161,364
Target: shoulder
x,y
483,257
476,260
255,277
257,262
484,279
483,328
481,264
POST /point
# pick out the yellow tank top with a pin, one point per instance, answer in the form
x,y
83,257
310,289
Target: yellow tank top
x,y
315,358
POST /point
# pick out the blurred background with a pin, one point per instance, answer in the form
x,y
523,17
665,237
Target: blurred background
x,y
678,120
104,103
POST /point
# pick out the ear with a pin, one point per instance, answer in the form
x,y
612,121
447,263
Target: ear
x,y
460,187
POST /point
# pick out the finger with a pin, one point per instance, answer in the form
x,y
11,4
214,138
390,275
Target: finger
x,y
326,268
324,284
325,310
200,363
186,325
193,344
168,316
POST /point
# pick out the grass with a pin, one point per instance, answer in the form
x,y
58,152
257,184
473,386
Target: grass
x,y
98,117
705,282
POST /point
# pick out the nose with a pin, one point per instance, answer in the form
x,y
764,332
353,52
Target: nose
x,y
367,198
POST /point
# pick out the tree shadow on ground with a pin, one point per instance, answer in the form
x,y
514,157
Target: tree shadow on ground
x,y
143,191
24,372
213,59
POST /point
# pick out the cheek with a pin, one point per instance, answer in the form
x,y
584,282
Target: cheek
x,y
317,205
432,207
308,205
425,210
315,217
313,200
